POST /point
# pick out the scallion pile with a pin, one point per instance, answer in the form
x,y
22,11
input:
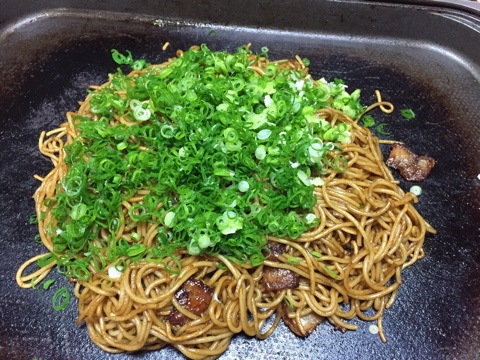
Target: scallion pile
x,y
222,153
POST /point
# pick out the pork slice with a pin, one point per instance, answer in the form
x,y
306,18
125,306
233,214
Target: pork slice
x,y
275,279
309,321
411,166
276,249
194,296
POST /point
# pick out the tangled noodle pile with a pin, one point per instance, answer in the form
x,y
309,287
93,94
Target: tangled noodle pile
x,y
135,291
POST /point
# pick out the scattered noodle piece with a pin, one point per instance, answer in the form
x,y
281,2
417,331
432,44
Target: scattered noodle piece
x,y
38,177
300,61
385,106
381,105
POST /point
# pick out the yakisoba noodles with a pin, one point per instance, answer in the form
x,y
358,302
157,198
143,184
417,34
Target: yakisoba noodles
x,y
347,266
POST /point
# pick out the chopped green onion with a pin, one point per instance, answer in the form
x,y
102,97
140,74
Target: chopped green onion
x,y
229,222
120,265
134,103
45,260
193,249
47,284
141,114
407,114
379,129
177,263
139,64
264,134
260,152
167,131
204,241
355,95
339,163
368,121
60,299
331,272
293,260
128,60
226,157
33,219
257,259
32,282
119,58
122,146
81,273
169,217
270,71
136,250
289,301
303,178
316,254
78,211
230,134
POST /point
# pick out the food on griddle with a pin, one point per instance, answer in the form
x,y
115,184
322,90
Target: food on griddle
x,y
273,278
218,193
194,296
411,166
304,324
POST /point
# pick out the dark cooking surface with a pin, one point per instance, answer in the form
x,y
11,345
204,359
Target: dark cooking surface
x,y
424,58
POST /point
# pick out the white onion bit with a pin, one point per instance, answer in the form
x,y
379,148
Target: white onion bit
x,y
243,186
304,178
114,273
416,190
169,218
317,181
373,329
264,134
268,100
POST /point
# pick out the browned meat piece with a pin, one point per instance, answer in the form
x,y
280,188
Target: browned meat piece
x,y
340,328
309,321
412,167
275,279
194,296
176,318
276,249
